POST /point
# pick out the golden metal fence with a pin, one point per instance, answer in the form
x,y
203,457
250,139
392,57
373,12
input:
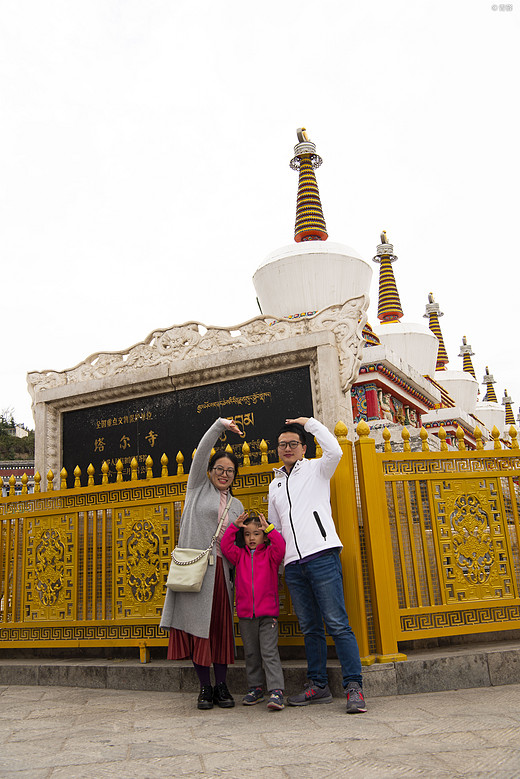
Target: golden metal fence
x,y
443,532
432,552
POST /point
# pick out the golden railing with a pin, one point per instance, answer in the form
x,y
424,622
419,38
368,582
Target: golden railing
x,y
441,531
433,550
86,566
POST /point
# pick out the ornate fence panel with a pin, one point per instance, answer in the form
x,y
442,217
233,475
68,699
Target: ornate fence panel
x,y
451,522
87,566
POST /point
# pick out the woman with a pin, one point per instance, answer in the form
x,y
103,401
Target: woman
x,y
201,623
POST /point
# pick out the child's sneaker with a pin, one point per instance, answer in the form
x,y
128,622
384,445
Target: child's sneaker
x,y
355,701
275,700
254,695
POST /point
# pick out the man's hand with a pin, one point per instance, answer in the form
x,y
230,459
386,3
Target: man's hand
x,y
300,421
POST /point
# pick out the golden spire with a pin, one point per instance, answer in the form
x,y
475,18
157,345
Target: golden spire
x,y
310,224
466,354
389,305
490,396
507,401
433,313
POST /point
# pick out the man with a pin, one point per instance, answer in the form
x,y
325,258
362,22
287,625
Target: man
x,y
299,507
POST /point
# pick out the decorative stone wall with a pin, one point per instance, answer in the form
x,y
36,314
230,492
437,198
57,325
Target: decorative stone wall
x,y
192,354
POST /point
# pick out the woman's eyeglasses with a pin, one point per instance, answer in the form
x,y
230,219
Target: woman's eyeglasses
x,y
220,471
288,444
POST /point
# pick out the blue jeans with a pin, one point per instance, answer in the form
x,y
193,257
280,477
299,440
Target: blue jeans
x,y
316,590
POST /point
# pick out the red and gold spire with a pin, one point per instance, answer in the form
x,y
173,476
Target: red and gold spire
x,y
507,401
466,354
433,313
310,224
389,305
490,396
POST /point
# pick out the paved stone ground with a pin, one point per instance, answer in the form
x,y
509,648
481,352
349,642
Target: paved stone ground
x,y
76,733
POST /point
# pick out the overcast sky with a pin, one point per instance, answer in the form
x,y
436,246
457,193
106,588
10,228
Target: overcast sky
x,y
144,150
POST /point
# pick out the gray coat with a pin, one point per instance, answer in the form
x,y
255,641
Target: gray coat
x,y
191,611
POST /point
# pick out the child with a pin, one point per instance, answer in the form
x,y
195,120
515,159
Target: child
x,y
257,549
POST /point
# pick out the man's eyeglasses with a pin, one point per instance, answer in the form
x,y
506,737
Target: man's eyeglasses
x,y
288,444
220,471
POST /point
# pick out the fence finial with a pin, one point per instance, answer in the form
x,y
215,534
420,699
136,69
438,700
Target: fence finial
x,y
164,463
405,435
104,471
514,437
180,460
424,438
442,436
90,472
245,453
50,481
77,476
63,483
362,429
495,433
149,463
461,444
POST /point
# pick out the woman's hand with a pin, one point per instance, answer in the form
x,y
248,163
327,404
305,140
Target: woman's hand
x,y
299,421
239,521
235,428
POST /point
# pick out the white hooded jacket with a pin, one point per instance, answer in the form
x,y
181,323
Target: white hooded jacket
x,y
299,502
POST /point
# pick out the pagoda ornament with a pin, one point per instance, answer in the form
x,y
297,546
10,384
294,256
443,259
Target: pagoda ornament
x,y
488,380
466,353
310,223
433,313
507,402
389,304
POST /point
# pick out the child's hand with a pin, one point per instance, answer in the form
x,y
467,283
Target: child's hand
x,y
263,522
239,521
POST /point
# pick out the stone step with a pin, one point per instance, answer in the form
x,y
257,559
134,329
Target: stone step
x,y
448,668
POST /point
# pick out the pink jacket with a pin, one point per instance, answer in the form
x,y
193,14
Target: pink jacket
x,y
256,578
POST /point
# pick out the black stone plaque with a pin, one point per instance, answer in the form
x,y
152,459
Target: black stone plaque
x,y
175,422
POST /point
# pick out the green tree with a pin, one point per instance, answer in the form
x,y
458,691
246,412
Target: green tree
x,y
11,447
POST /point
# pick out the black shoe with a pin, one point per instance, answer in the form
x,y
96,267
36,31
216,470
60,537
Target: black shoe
x,y
222,697
205,699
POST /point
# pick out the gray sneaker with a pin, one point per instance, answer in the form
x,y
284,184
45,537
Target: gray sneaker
x,y
355,701
311,694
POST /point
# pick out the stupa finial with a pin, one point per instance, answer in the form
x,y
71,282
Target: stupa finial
x,y
507,402
433,313
488,380
466,353
310,223
389,305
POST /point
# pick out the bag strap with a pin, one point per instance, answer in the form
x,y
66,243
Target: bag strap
x,y
222,518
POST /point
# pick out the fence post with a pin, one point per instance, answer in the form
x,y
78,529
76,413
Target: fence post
x,y
343,498
378,547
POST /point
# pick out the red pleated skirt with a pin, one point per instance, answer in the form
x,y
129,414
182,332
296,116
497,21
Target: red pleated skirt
x,y
219,647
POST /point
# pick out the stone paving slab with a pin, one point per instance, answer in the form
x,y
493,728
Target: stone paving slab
x,y
51,732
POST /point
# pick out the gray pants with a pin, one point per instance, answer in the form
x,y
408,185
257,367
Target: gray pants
x,y
260,638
